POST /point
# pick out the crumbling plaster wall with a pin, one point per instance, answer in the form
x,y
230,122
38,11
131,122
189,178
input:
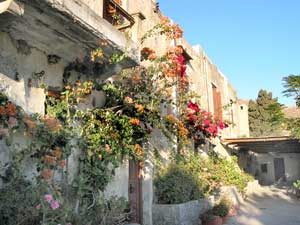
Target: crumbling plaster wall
x,y
20,71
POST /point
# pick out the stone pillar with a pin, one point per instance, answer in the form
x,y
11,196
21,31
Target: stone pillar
x,y
147,189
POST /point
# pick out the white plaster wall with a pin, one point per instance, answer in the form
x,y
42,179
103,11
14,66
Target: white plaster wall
x,y
119,185
12,62
291,161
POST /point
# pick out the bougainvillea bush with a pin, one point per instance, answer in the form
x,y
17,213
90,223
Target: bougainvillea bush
x,y
97,138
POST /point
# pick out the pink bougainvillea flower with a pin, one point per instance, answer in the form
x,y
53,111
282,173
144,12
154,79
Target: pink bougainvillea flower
x,y
38,207
193,106
54,205
48,198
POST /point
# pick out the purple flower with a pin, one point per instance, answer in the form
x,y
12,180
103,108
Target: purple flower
x,y
48,198
54,204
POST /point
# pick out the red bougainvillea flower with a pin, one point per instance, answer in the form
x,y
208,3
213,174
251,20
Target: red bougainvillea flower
x,y
222,125
180,59
206,122
192,118
193,106
213,130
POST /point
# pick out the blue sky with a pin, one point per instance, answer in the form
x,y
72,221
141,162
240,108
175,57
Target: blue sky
x,y
254,43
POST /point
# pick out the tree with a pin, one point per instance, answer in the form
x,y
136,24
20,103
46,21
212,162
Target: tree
x,y
265,115
291,84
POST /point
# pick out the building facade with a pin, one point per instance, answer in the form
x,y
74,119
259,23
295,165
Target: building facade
x,y
49,41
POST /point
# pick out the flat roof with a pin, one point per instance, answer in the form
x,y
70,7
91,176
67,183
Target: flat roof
x,y
282,144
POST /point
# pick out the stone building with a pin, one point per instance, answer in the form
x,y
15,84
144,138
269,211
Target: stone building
x,y
271,160
49,41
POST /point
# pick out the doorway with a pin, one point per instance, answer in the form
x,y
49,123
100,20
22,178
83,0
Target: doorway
x,y
279,169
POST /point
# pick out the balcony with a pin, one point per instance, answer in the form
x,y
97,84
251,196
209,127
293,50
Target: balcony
x,y
116,15
69,28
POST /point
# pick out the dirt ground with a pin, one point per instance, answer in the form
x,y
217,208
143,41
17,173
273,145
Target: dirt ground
x,y
268,206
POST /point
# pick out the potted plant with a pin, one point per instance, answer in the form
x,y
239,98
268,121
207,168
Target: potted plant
x,y
296,185
209,218
222,209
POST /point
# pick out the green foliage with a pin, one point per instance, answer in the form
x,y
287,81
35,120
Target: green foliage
x,y
265,115
215,172
17,204
195,176
176,184
293,125
22,204
296,185
222,208
291,84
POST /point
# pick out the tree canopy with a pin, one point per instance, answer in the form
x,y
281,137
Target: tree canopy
x,y
291,84
265,115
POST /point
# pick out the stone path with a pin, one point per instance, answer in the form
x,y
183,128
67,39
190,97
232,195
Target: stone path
x,y
268,206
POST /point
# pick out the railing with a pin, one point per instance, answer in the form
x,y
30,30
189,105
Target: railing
x,y
116,15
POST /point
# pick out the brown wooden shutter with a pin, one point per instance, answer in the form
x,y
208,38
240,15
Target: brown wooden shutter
x,y
217,103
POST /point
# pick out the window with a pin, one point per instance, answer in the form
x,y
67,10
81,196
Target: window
x,y
264,168
115,14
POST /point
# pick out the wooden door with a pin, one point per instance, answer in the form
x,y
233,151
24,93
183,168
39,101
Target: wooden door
x,y
279,169
135,191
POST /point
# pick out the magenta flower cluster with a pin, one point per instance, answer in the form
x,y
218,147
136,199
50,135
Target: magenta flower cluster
x,y
54,204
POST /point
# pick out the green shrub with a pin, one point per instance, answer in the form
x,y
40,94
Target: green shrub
x,y
214,172
17,204
176,184
21,205
222,208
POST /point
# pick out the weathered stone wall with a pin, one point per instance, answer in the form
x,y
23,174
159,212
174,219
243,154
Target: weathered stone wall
x,y
181,214
189,213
